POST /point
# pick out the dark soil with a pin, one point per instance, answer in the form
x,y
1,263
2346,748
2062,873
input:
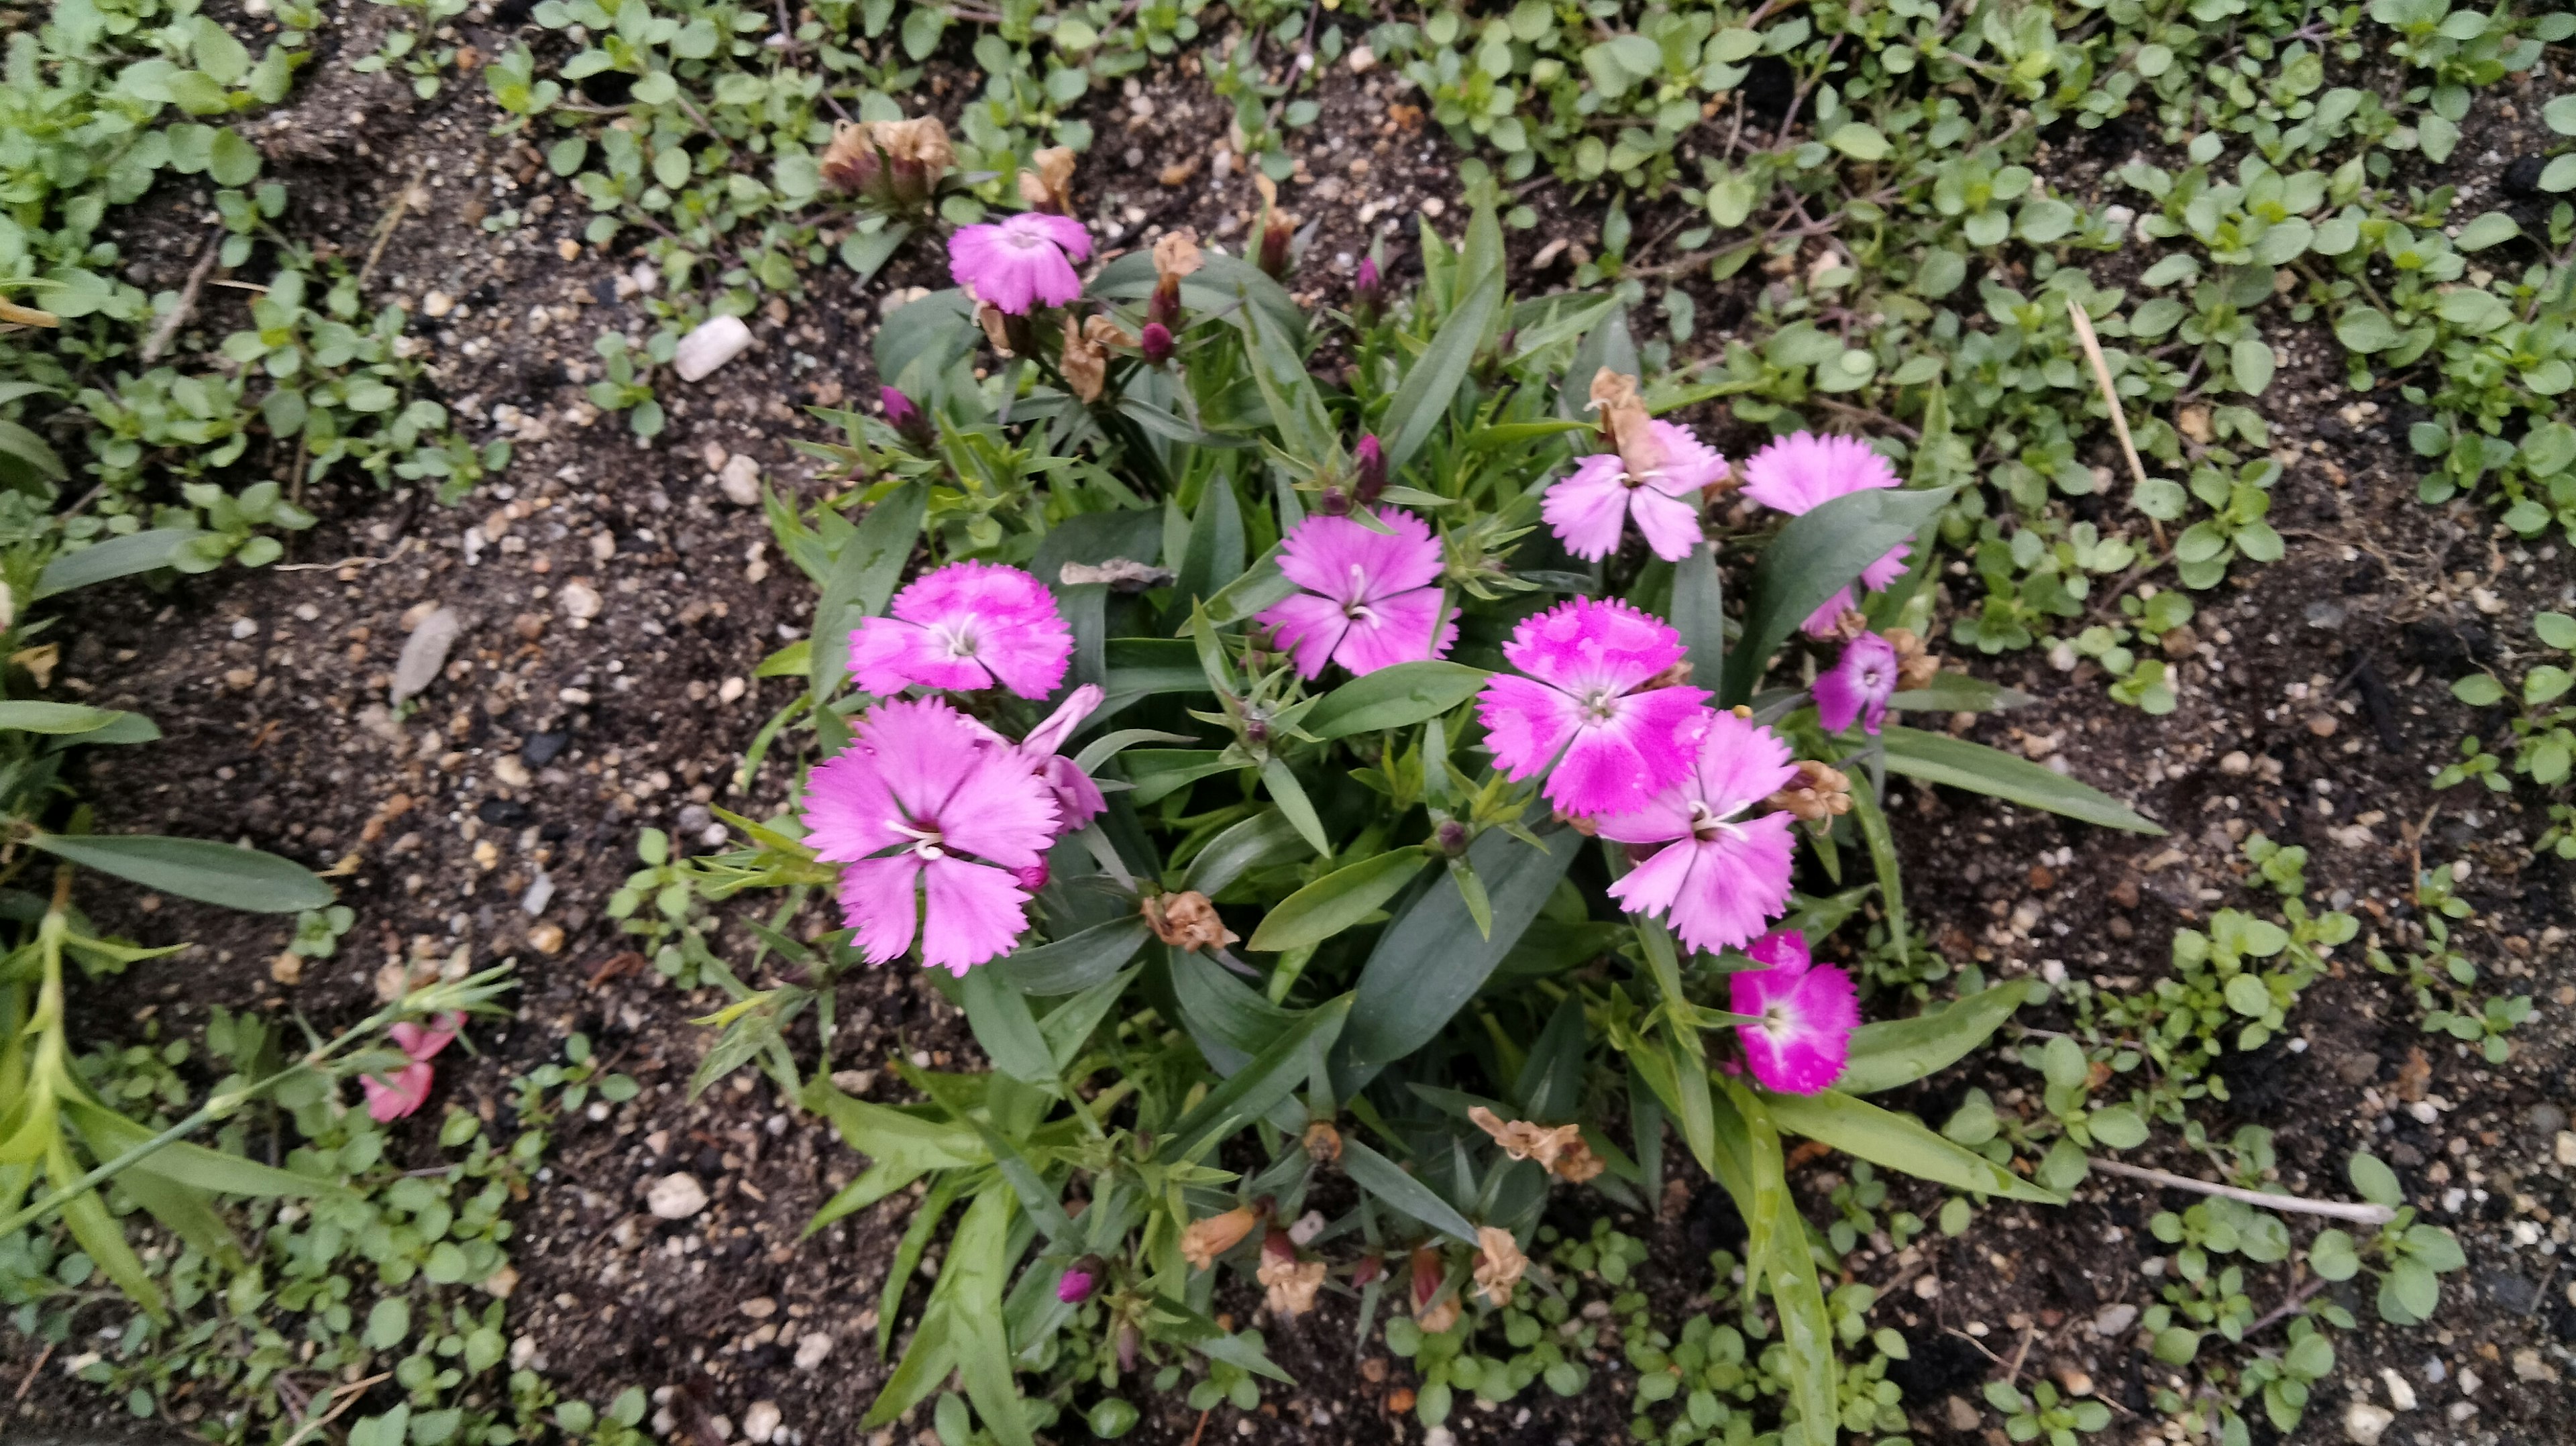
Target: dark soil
x,y
2313,709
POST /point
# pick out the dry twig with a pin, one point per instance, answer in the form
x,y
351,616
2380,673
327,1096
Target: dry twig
x,y
168,330
2111,399
2337,1209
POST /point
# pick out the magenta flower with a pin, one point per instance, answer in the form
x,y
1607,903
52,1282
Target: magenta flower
x,y
1075,1285
1370,600
1613,746
967,625
406,1089
1021,262
1858,685
1808,1013
1587,508
931,822
1077,798
1718,879
1796,473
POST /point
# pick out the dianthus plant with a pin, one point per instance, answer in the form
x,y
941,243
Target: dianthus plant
x,y
1352,755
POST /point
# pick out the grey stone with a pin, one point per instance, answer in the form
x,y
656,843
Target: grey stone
x,y
425,652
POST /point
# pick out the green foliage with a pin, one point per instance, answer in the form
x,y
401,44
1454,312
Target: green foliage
x,y
2443,978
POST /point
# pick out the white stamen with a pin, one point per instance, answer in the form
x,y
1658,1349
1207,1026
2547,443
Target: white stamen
x,y
925,842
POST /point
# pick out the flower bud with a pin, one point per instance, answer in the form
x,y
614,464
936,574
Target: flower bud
x,y
1370,1270
1130,1341
906,418
1278,231
1079,1280
1368,290
1336,501
1204,1240
1032,878
1369,480
1323,1143
1156,343
1451,836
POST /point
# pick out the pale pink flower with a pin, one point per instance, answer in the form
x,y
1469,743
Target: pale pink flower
x,y
1614,747
931,821
1796,473
1020,262
1719,877
1371,598
967,625
406,1089
1808,1013
1858,685
1587,508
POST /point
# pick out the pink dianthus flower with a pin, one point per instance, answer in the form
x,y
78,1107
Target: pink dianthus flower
x,y
1858,685
1587,508
1797,473
1718,879
1587,662
966,625
1371,598
933,823
1020,262
406,1089
1808,1013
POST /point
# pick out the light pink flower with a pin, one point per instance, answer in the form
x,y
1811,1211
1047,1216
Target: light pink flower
x,y
1370,600
967,625
1803,471
1587,508
1586,661
1858,685
1020,262
1808,1014
406,1089
932,821
1717,880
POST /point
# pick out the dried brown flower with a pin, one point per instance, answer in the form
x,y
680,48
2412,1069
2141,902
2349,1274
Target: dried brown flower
x,y
997,328
1101,330
1820,793
1578,1164
1916,667
1323,1142
1050,186
1187,921
1204,1240
1499,1264
1084,362
1525,1141
894,164
1289,1283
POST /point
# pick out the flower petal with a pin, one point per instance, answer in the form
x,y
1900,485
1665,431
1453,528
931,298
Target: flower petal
x,y
1796,473
1738,883
877,901
1810,1015
1616,765
1585,646
1000,812
396,1095
1309,627
1671,525
1738,762
974,914
1405,628
1526,722
1586,509
1049,736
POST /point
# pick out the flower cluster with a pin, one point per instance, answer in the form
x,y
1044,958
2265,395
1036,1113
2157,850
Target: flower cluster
x,y
940,824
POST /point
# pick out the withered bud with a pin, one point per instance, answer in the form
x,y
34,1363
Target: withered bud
x,y
1288,1284
1278,236
1186,921
1130,1342
1049,185
1370,1270
895,165
1428,1271
1916,667
1156,343
1084,362
1624,422
1578,1164
1120,574
1104,330
1820,793
1525,1141
1204,1240
1323,1143
997,327
1850,624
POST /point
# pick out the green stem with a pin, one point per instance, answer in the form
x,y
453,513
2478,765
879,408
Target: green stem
x,y
1882,855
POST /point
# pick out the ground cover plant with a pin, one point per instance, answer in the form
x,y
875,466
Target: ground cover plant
x,y
2135,303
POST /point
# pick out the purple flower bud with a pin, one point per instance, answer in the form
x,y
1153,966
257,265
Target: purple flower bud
x,y
1336,501
1156,342
1368,290
1075,1286
1452,837
1274,256
1371,471
907,419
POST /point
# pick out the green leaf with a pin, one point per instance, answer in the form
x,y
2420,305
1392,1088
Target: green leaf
x,y
117,557
2366,329
1816,555
193,1167
1221,285
1264,839
1390,1186
1430,960
2558,630
1004,1027
922,338
2251,361
895,1137
1901,1051
1859,141
2118,1126
1780,1240
1396,697
862,579
1958,763
978,1268
1290,795
1260,586
1271,1076
1335,902
1898,1142
1157,772
2376,1182
1212,556
2491,229
1959,693
211,873
1074,963
1699,615
56,718
1422,402
97,1233
2478,690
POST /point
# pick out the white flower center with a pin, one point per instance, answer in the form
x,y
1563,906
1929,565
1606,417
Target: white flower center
x,y
1601,704
957,638
1357,609
926,842
1707,827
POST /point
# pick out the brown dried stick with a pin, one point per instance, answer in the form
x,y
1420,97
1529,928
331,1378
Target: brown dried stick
x,y
2111,398
168,330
